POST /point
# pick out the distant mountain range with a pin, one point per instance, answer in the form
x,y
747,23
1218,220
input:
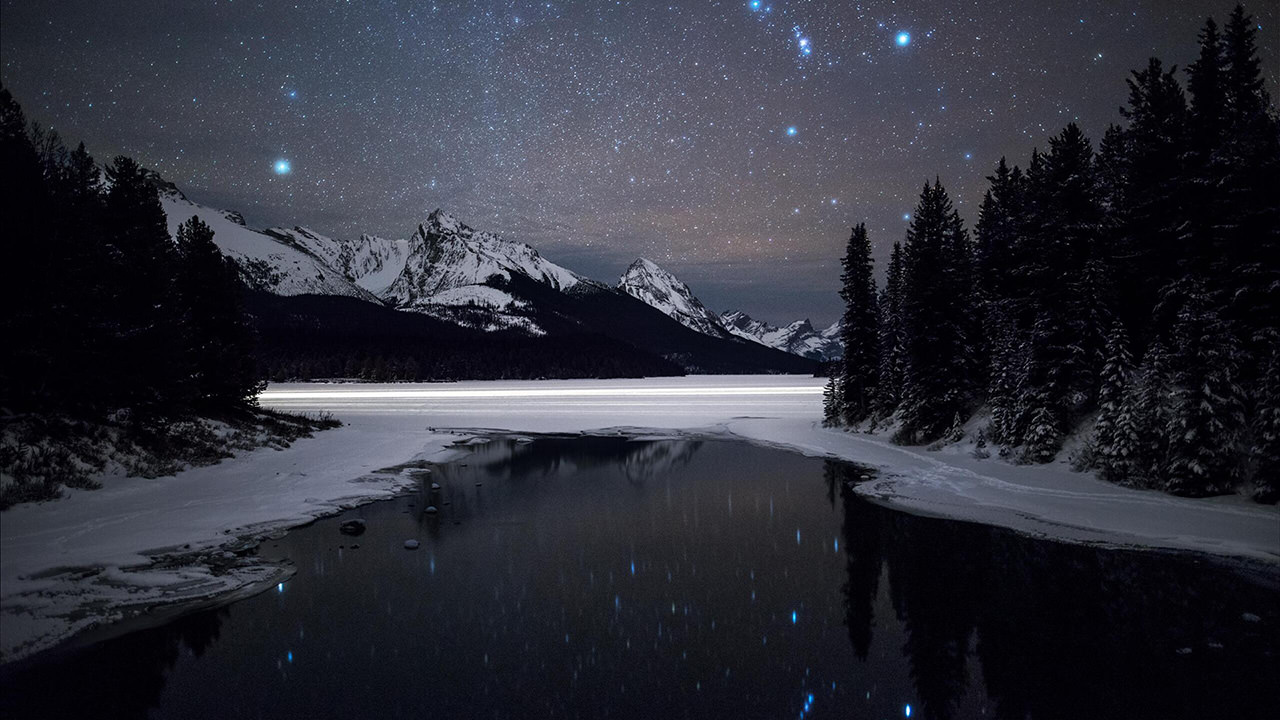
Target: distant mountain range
x,y
481,283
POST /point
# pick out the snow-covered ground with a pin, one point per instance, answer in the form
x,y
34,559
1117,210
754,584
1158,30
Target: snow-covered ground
x,y
85,559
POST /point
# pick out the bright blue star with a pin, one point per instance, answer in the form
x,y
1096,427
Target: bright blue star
x,y
903,39
791,131
282,167
755,4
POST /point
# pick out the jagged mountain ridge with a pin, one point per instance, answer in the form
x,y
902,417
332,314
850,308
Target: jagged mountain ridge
x,y
471,279
649,283
799,338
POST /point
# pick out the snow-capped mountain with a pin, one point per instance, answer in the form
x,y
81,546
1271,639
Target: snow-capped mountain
x,y
478,281
446,255
371,262
265,262
649,283
798,338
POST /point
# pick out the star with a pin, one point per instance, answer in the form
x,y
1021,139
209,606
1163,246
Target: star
x,y
282,167
791,131
903,39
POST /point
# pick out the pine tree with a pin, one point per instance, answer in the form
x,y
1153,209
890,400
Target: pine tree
x,y
149,363
859,330
221,348
1266,434
1043,438
1147,403
1114,436
1206,414
891,338
1206,82
936,312
832,412
1151,241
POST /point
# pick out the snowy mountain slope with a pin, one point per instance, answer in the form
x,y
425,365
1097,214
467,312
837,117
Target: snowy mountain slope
x,y
444,254
264,261
649,283
799,338
371,262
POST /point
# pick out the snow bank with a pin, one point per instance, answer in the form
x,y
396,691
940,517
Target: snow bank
x,y
97,556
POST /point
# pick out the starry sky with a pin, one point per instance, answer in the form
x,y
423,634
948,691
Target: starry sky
x,y
732,142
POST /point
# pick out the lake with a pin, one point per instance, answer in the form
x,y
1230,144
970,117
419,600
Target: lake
x,y
610,578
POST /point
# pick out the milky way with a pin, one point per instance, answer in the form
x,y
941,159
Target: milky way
x,y
732,142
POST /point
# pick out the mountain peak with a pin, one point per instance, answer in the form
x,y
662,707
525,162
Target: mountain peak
x,y
444,222
649,283
798,338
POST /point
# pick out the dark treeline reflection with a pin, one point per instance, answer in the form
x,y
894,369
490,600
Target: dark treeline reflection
x,y
1055,630
122,678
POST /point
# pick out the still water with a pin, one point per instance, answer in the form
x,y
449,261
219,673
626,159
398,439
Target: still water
x,y
606,578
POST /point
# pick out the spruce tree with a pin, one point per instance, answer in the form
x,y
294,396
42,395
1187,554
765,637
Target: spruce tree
x,y
892,352
1206,414
1114,435
859,330
149,362
1266,433
221,340
936,314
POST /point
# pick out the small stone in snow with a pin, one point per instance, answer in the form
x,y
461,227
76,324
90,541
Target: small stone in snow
x,y
431,510
410,544
1250,617
479,484
435,486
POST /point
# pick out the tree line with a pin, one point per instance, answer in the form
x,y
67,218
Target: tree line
x,y
103,309
1135,286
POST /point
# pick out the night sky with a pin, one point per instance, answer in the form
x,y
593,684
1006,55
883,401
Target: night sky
x,y
732,142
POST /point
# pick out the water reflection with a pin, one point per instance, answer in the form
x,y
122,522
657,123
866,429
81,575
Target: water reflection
x,y
1021,628
610,578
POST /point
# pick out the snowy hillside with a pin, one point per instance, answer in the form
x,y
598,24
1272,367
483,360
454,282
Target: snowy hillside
x,y
647,282
265,262
799,338
371,262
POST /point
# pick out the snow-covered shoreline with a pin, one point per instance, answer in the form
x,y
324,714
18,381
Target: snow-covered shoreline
x,y
88,559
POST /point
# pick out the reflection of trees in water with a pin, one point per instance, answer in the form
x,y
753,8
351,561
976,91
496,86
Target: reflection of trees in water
x,y
121,677
1061,631
545,456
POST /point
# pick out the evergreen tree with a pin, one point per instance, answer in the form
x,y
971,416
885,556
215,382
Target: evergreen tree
x,y
1152,242
1206,82
832,412
1266,434
1206,414
1114,435
859,330
891,338
149,363
222,341
1147,403
936,316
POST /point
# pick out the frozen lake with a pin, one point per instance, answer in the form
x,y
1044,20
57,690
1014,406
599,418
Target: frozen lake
x,y
606,577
